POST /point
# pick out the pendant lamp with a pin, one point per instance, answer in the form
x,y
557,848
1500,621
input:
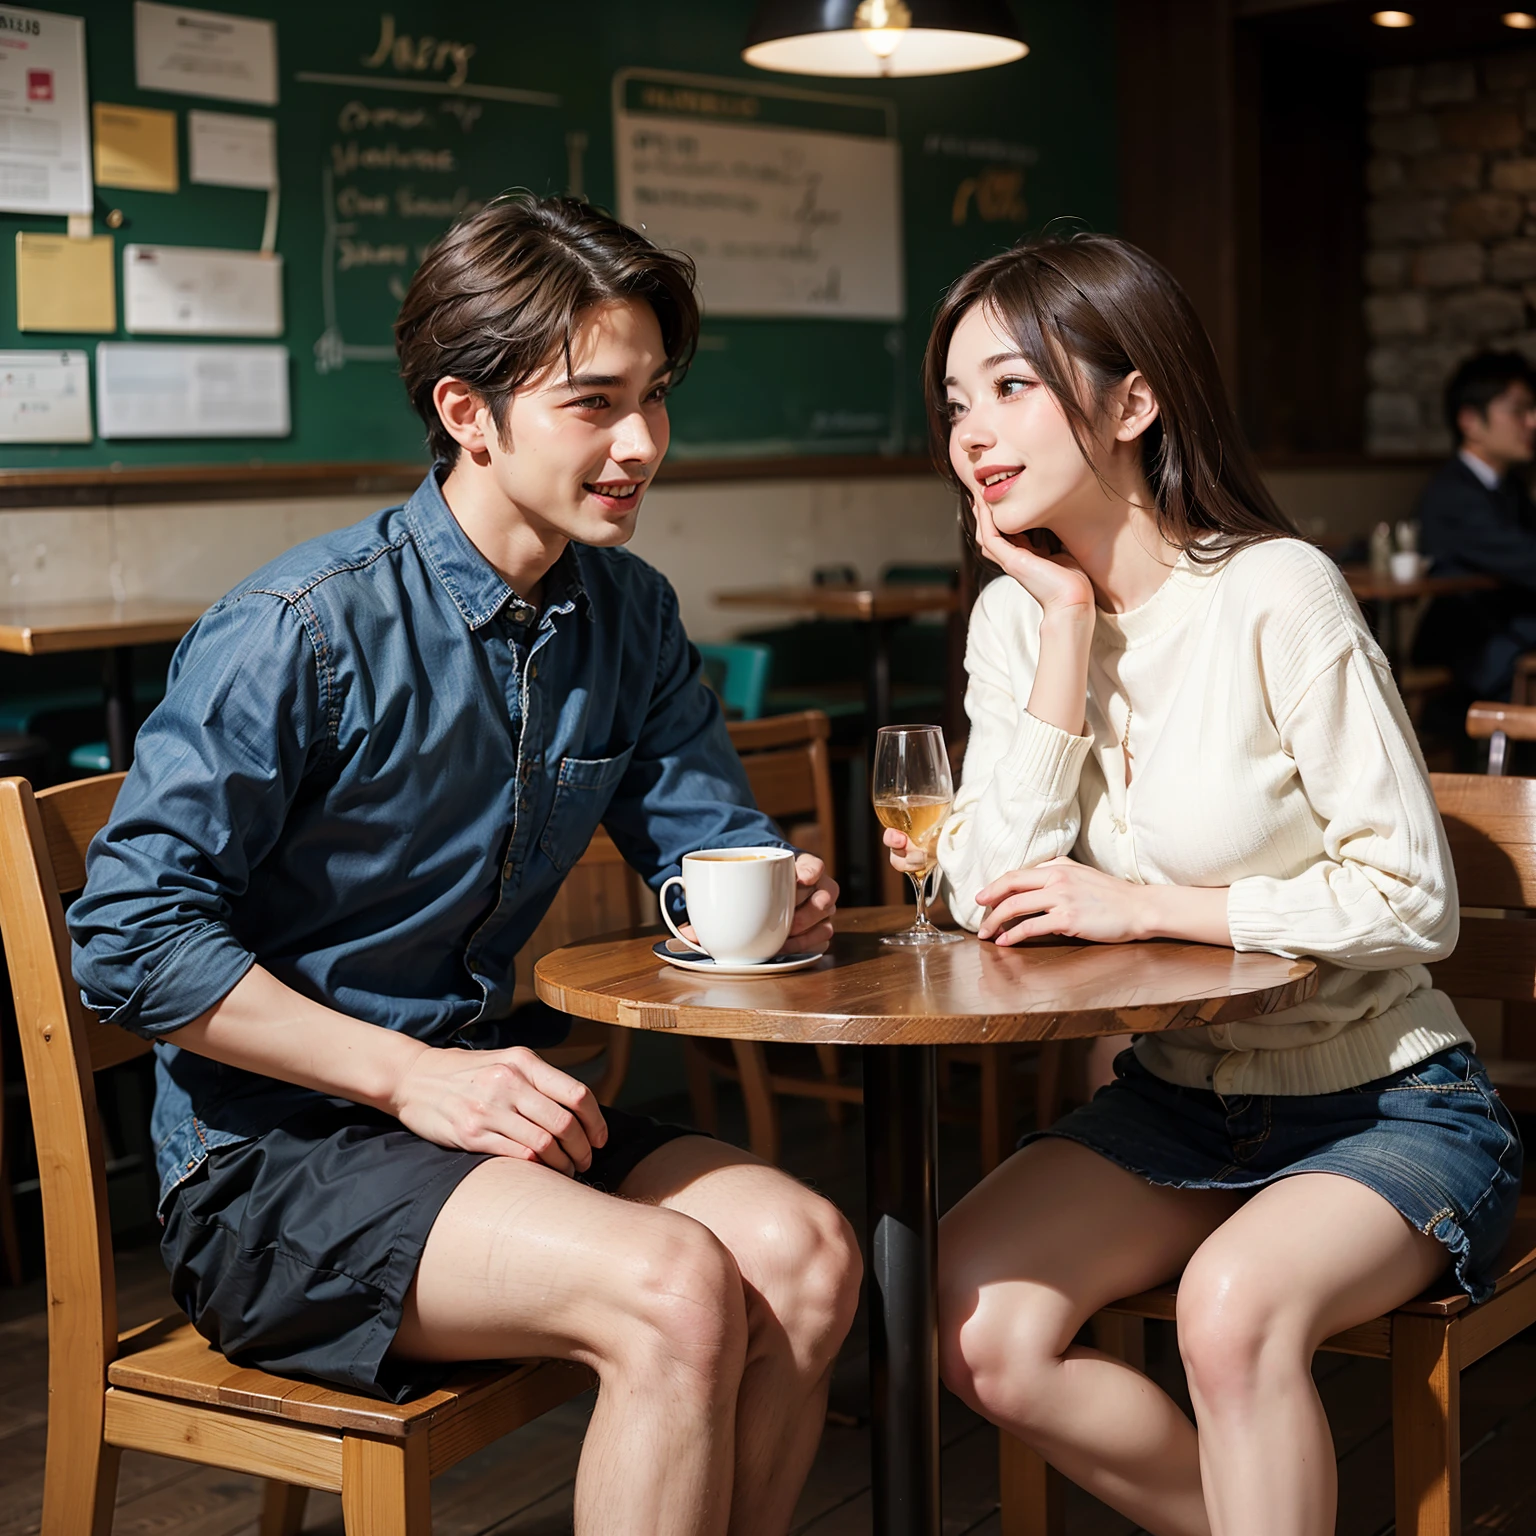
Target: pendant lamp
x,y
882,37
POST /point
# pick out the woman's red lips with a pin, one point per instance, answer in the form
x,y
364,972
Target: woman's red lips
x,y
1001,476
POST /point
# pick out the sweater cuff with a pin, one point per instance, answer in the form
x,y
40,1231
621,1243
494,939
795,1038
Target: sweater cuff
x,y
1254,920
1043,762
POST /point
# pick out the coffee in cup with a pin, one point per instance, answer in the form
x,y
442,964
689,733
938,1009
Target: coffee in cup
x,y
741,902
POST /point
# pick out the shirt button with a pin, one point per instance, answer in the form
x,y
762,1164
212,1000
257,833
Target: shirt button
x,y
1119,825
519,615
533,669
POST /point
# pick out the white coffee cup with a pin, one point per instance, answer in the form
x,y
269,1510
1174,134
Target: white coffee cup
x,y
741,902
1407,565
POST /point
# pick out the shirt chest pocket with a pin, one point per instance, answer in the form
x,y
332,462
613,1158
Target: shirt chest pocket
x,y
582,791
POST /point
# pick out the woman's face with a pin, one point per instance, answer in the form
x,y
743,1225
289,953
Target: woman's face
x,y
1009,439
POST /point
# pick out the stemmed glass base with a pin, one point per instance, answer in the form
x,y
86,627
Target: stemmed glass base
x,y
922,931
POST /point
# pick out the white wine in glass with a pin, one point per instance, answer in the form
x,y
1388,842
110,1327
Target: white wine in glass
x,y
913,794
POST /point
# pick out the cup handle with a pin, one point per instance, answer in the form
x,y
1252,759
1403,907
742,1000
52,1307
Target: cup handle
x,y
666,916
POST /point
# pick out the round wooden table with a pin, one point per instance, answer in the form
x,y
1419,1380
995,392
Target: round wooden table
x,y
882,998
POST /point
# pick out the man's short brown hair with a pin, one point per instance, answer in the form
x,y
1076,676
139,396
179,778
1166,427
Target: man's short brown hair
x,y
500,296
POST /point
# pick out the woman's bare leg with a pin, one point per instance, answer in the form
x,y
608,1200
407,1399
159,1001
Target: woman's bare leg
x,y
1306,1258
525,1262
1024,1261
799,1261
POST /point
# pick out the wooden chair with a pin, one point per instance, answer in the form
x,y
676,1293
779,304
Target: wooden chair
x,y
1498,725
161,1388
1491,826
600,894
786,761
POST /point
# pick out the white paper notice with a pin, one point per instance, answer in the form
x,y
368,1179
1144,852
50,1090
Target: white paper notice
x,y
780,221
205,53
229,150
45,397
179,290
149,390
45,145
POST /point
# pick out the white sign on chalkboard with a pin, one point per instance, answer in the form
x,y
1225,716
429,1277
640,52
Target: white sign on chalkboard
x,y
781,220
45,397
156,389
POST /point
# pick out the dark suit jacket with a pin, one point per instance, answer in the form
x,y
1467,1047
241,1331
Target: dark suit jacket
x,y
1466,528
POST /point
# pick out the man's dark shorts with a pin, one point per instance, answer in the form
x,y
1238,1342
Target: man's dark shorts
x,y
294,1252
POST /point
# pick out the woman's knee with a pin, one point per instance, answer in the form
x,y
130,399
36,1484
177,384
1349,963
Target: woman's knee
x,y
999,1347
1236,1334
680,1306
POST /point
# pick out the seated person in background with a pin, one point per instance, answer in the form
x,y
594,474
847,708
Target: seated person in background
x,y
1476,516
375,763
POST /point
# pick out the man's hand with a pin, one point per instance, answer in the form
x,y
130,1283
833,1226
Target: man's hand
x,y
510,1102
815,901
1063,897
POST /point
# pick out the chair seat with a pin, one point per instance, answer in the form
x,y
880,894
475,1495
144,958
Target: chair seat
x,y
170,1359
1517,1264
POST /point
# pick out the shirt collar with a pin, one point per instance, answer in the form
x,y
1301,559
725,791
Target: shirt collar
x,y
478,590
1486,473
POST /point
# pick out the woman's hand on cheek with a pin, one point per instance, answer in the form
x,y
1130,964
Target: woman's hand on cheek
x,y
1066,898
1056,582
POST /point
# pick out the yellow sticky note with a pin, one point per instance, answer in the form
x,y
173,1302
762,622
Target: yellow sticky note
x,y
136,148
64,284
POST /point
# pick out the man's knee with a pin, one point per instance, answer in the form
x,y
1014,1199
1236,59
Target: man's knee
x,y
810,1272
680,1306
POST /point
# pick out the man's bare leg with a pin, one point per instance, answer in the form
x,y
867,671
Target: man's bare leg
x,y
525,1262
800,1266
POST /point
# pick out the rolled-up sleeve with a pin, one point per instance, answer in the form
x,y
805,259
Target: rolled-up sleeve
x,y
217,766
685,787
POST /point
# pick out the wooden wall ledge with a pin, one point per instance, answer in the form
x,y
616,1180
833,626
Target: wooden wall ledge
x,y
23,489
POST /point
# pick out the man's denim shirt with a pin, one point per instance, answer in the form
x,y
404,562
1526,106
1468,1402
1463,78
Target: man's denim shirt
x,y
372,768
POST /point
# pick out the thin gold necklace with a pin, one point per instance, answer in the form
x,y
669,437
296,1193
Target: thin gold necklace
x,y
1125,735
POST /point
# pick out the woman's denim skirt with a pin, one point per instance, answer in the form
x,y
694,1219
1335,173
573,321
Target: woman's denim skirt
x,y
1434,1140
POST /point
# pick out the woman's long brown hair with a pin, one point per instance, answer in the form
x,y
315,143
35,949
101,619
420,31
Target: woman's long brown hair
x,y
1085,311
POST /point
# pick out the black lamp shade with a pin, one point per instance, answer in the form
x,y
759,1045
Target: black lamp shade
x,y
835,37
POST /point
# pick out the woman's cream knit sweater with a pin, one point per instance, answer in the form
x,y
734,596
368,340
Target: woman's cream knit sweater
x,y
1269,754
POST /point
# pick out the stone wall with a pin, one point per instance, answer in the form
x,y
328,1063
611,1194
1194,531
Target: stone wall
x,y
1450,263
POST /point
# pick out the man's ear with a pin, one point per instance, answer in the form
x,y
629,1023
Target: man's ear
x,y
1138,407
464,413
1470,423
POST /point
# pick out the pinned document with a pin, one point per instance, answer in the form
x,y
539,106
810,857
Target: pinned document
x,y
45,397
64,284
183,290
136,148
45,149
205,53
229,149
147,389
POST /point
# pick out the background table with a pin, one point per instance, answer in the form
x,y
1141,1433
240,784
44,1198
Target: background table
x,y
881,997
40,629
1386,593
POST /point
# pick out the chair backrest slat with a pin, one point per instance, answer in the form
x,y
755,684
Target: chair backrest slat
x,y
787,765
57,1052
1490,824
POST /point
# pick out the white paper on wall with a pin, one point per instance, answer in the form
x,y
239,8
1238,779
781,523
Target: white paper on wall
x,y
205,53
145,389
45,397
182,290
45,142
230,149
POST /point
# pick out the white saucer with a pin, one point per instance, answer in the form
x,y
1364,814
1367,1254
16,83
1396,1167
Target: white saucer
x,y
687,960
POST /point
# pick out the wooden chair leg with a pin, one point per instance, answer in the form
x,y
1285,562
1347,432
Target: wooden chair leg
x,y
1426,1425
386,1487
80,1476
1031,1493
282,1508
1048,1076
996,1106
826,1058
615,1065
762,1112
1123,1337
701,1088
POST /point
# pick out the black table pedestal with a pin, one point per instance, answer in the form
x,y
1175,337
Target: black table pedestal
x,y
900,1145
117,684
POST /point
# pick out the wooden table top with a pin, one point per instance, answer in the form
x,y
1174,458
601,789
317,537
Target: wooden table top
x,y
863,992
36,629
895,602
1368,587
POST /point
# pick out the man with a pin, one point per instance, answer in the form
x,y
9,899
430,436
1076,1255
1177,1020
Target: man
x,y
376,760
1476,516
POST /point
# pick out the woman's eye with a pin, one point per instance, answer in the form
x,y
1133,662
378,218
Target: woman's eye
x,y
953,410
1012,386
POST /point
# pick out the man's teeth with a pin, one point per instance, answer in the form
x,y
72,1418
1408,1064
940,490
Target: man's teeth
x,y
618,492
1006,474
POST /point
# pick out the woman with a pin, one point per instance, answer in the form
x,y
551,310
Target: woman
x,y
1181,728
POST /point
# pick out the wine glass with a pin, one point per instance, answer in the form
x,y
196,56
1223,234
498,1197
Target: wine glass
x,y
913,794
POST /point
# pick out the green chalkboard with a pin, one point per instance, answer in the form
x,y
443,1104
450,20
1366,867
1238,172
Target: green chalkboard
x,y
384,135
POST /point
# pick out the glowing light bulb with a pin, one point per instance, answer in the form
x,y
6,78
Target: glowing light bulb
x,y
1521,21
1392,18
882,24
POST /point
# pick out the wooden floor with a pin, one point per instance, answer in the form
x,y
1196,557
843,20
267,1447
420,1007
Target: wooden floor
x,y
522,1487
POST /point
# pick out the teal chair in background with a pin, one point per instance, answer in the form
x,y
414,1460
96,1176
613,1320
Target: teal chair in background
x,y
738,672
